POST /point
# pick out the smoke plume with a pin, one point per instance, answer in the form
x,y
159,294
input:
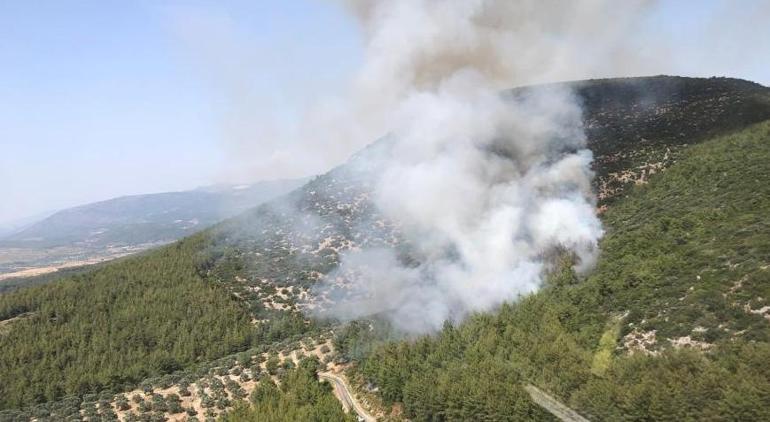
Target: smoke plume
x,y
482,185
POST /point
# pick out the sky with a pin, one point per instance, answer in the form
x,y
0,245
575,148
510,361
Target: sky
x,y
103,98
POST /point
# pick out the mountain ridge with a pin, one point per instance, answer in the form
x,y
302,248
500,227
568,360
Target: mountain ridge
x,y
116,227
211,204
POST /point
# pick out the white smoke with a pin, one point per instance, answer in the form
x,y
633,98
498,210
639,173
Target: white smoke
x,y
481,185
280,117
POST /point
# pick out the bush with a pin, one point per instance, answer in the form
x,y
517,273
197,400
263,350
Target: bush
x,y
159,403
223,403
175,408
144,406
174,404
272,364
244,359
122,402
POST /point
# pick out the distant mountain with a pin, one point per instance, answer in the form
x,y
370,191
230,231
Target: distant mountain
x,y
136,219
7,228
117,227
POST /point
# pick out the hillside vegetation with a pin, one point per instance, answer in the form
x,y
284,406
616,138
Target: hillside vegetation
x,y
680,283
115,326
685,264
299,397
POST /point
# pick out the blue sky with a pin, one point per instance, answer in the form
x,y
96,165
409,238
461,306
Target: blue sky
x,y
103,98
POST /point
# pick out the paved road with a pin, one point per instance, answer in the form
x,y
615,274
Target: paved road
x,y
553,406
345,395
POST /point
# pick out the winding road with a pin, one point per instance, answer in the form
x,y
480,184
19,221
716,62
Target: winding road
x,y
345,395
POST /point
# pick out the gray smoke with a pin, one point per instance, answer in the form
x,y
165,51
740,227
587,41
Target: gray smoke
x,y
419,43
481,186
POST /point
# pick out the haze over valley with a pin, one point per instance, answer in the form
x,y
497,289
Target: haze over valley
x,y
122,226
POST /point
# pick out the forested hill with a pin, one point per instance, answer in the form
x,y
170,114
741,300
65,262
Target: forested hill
x,y
636,127
257,269
673,324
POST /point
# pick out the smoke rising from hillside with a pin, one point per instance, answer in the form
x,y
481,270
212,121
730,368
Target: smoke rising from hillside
x,y
284,121
482,186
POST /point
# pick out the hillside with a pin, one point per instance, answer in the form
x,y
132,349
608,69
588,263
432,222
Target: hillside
x,y
672,325
636,126
128,224
674,213
299,239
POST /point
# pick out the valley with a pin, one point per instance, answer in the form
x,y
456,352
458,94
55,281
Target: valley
x,y
22,262
100,231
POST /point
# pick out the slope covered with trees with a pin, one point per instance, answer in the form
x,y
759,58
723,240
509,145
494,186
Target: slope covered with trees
x,y
299,397
684,265
115,326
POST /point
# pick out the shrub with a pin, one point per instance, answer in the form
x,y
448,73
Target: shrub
x,y
272,364
122,402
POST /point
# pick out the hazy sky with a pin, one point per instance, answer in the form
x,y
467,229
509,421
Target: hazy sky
x,y
104,98
109,97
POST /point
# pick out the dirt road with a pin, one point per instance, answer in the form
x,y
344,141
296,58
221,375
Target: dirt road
x,y
345,395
